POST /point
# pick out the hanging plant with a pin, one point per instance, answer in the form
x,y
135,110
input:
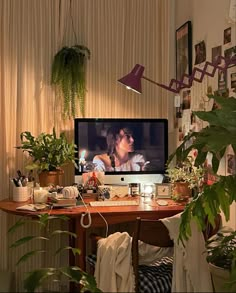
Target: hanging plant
x,y
68,75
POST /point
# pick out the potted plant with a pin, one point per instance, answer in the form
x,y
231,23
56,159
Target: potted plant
x,y
38,277
185,178
215,138
68,75
48,153
221,255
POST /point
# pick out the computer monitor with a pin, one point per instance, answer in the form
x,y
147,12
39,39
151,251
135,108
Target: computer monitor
x,y
149,151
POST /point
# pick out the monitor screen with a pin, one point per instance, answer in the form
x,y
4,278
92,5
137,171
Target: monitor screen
x,y
127,150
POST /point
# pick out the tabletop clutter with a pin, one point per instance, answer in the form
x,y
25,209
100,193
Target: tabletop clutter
x,y
92,186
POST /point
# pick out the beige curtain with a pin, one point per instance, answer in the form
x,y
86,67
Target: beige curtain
x,y
119,33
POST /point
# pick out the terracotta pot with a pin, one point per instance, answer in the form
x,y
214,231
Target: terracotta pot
x,y
182,191
47,178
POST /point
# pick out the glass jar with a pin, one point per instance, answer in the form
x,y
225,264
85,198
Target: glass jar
x,y
134,189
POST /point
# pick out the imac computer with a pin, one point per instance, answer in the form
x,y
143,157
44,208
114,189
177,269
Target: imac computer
x,y
148,150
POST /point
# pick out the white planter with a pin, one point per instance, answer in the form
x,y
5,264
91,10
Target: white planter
x,y
220,277
21,193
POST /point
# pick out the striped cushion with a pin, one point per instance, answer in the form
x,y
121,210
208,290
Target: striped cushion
x,y
155,278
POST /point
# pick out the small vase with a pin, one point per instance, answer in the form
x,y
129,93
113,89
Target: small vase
x,y
181,191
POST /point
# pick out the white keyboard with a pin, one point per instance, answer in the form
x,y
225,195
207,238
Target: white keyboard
x,y
113,203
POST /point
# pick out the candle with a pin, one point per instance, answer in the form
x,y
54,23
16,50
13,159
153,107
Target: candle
x,y
40,195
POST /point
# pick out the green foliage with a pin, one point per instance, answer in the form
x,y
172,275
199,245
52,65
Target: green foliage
x,y
215,139
47,151
221,248
35,278
186,173
68,75
221,251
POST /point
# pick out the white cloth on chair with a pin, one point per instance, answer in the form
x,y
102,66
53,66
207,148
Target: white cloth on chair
x,y
190,268
113,269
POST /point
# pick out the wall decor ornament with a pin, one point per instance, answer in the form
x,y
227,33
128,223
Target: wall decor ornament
x,y
184,50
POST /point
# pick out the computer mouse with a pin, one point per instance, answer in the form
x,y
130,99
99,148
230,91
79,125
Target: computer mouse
x,y
162,202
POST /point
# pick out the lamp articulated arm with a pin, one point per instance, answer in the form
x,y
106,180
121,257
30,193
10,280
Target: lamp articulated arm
x,y
133,79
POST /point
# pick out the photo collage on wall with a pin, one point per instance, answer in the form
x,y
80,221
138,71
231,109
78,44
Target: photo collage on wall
x,y
226,79
226,82
184,113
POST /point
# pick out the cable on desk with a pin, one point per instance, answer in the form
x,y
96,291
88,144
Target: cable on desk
x,y
89,216
104,221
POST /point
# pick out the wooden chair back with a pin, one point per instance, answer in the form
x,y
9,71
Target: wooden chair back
x,y
154,232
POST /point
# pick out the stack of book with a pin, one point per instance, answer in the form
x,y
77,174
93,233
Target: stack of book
x,y
64,202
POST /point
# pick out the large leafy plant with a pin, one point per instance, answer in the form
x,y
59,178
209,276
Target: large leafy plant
x,y
47,151
37,277
215,139
68,75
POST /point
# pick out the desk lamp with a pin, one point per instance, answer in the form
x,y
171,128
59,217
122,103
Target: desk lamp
x,y
133,79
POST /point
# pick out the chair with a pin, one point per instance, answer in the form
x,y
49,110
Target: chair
x,y
144,231
158,276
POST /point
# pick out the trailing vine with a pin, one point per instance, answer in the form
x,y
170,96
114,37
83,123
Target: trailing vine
x,y
68,75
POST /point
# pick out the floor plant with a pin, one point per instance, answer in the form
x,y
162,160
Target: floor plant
x,y
36,278
216,138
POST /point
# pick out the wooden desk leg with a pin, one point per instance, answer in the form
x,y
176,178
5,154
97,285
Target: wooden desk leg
x,y
72,242
80,241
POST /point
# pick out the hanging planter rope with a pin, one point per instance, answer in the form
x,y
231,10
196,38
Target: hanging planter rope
x,y
68,72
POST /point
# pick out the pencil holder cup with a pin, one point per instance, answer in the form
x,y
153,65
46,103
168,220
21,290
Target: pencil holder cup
x,y
21,193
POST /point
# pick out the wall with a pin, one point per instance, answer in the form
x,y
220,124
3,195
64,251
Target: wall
x,y
209,19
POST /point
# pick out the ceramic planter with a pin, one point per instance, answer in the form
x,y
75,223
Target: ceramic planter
x,y
220,277
181,191
47,178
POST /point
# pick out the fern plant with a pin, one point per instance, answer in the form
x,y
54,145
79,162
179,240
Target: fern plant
x,y
68,75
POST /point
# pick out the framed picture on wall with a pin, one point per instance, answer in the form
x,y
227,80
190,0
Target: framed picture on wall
x,y
230,164
183,50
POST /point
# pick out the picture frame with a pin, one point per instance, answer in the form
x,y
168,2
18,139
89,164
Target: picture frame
x,y
183,37
163,190
230,164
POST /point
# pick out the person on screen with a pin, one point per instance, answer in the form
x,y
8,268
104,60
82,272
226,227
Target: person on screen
x,y
120,155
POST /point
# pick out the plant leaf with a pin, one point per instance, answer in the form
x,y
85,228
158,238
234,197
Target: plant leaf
x,y
26,239
74,250
64,232
36,277
26,256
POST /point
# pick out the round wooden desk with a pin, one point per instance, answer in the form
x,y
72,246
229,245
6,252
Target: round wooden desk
x,y
113,215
